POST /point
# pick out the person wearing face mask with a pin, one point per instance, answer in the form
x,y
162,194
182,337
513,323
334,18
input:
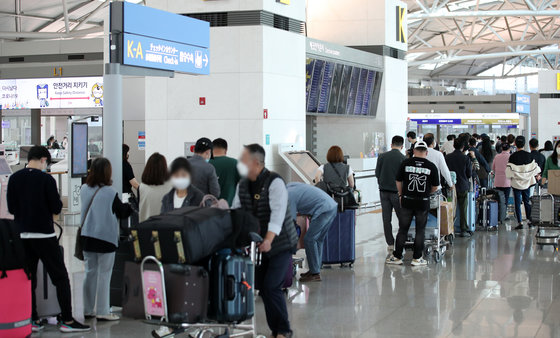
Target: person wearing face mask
x,y
264,194
33,200
552,162
203,173
183,193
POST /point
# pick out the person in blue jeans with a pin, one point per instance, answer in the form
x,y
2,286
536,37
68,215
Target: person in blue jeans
x,y
310,201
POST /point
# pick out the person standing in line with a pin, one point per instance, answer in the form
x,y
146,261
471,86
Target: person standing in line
x,y
203,173
460,163
386,170
155,184
311,201
535,154
184,193
499,165
521,171
447,147
483,169
129,180
417,178
552,162
101,207
547,150
33,199
226,169
411,137
264,194
438,159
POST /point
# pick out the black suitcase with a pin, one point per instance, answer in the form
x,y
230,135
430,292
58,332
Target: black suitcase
x,y
232,281
187,290
123,254
132,299
186,235
45,293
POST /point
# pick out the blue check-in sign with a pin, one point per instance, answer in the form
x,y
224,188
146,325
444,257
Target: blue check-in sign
x,y
149,52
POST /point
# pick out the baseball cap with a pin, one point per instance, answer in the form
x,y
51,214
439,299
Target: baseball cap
x,y
420,144
202,145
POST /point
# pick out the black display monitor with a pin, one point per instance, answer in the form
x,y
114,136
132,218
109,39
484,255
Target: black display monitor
x,y
79,149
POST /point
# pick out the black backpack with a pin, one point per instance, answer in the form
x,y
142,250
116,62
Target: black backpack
x,y
12,254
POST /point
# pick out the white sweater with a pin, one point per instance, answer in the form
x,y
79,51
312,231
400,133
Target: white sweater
x,y
437,158
522,176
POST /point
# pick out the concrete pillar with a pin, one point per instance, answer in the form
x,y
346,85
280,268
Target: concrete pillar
x,y
36,126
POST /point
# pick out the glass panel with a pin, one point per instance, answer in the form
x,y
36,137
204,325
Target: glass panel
x,y
335,89
325,87
343,97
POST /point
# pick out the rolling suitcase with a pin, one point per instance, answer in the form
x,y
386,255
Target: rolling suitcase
x,y
123,255
488,214
471,214
45,293
502,206
232,281
132,301
15,311
187,289
340,243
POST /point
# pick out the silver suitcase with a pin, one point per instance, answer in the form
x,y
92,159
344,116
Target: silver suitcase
x,y
45,294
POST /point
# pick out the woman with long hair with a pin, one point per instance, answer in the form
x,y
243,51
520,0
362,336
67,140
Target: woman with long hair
x,y
552,162
486,150
548,149
101,207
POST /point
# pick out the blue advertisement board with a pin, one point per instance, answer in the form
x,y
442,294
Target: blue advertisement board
x,y
148,52
437,121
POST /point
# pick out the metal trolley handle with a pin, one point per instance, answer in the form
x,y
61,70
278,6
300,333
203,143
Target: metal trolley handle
x,y
165,317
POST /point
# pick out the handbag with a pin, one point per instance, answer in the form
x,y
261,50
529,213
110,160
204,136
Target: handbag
x,y
78,247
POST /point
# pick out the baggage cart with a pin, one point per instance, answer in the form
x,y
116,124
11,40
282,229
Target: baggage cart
x,y
198,330
548,229
435,244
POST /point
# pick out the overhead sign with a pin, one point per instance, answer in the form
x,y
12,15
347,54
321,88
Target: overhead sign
x,y
401,21
71,92
151,38
466,118
522,104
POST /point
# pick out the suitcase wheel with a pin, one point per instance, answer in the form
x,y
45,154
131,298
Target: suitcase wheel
x,y
437,256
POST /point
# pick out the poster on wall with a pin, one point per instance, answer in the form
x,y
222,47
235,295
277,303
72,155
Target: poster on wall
x,y
141,140
71,92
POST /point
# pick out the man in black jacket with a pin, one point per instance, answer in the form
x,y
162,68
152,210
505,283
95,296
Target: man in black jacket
x,y
33,200
388,165
263,193
460,163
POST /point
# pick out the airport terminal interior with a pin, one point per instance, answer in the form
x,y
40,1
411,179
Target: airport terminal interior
x,y
279,168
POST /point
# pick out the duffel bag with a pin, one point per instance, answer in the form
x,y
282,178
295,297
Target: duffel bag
x,y
185,235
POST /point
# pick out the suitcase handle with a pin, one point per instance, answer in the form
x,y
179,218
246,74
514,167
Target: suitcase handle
x,y
230,287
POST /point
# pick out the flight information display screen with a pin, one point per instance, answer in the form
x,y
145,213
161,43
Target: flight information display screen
x,y
336,88
79,149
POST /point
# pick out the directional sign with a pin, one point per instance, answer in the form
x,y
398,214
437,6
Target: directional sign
x,y
154,53
150,38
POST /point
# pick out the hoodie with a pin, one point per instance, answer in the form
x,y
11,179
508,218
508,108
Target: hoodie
x,y
522,176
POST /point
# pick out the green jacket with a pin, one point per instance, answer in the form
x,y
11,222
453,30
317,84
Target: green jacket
x,y
228,176
549,165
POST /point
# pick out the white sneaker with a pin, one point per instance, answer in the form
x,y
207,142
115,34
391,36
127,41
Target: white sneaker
x,y
394,260
419,262
108,318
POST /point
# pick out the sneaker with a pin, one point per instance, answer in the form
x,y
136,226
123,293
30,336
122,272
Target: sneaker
x,y
75,326
108,318
419,262
394,260
37,326
519,226
310,278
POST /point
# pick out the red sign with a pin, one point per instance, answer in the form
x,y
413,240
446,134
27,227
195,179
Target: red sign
x,y
202,101
265,114
192,148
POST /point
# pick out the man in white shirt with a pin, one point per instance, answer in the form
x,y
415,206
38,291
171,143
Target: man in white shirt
x,y
447,147
437,158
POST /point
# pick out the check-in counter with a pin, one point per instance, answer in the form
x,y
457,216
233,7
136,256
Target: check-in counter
x,y
366,182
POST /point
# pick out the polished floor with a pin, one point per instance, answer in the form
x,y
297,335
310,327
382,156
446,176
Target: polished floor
x,y
495,284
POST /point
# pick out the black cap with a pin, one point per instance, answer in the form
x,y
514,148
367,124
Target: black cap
x,y
202,145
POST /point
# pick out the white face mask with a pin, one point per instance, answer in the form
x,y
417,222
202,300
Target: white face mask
x,y
242,169
180,183
558,151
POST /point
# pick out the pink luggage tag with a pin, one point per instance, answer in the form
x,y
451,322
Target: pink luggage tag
x,y
153,293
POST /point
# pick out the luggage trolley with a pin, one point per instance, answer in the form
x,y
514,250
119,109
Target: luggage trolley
x,y
155,305
435,244
548,229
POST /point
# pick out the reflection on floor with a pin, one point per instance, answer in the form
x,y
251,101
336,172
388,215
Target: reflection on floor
x,y
496,284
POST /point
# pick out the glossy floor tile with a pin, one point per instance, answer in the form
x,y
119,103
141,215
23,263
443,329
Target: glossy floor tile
x,y
496,284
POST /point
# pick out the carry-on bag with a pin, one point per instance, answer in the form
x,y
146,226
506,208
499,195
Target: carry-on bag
x,y
45,293
446,222
15,306
182,236
132,297
232,282
471,214
187,289
340,243
488,214
123,255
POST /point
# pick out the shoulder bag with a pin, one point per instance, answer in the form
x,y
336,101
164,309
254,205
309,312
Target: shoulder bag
x,y
343,195
78,247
